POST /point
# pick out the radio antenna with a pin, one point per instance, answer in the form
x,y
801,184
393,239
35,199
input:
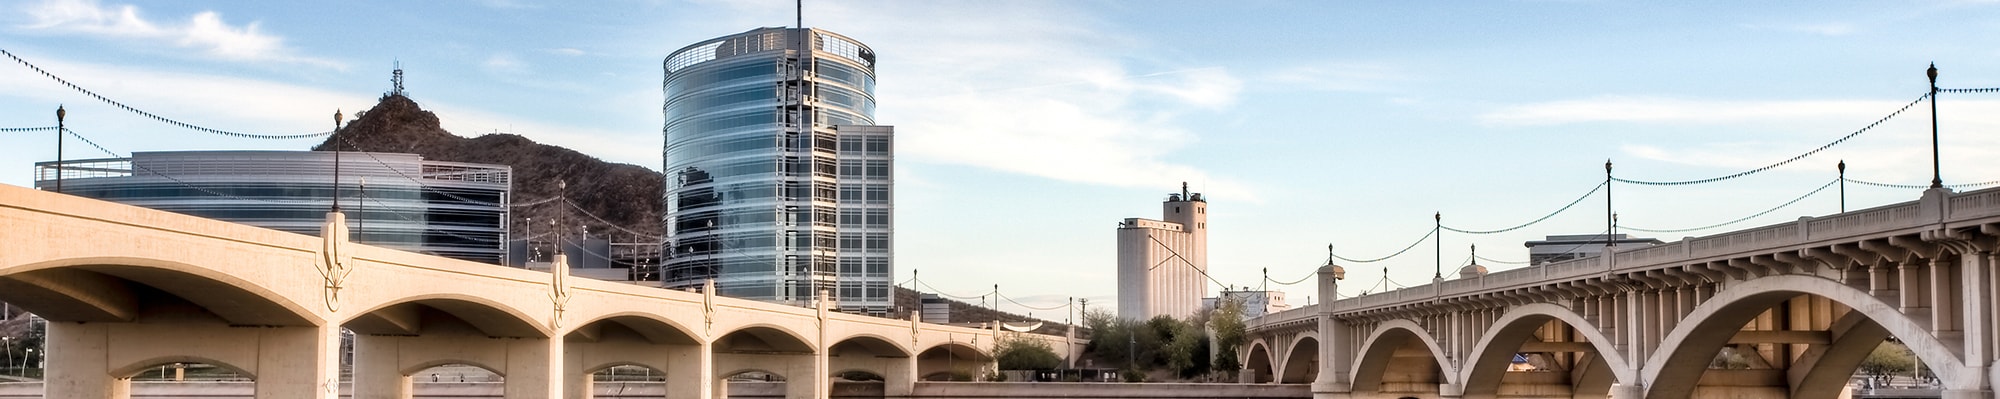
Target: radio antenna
x,y
800,11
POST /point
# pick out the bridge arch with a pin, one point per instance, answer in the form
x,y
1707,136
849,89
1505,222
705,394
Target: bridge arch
x,y
1378,353
651,326
134,368
1258,363
1487,362
872,343
1686,351
1301,361
97,289
763,338
406,316
415,368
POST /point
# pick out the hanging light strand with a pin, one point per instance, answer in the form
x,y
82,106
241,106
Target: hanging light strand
x,y
1842,139
156,117
1822,187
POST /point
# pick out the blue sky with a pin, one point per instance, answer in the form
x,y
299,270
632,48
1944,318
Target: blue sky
x,y
1027,129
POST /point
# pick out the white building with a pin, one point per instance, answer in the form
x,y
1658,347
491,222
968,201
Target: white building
x,y
1255,303
1163,264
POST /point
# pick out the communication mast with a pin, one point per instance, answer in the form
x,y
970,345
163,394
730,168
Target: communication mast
x,y
397,79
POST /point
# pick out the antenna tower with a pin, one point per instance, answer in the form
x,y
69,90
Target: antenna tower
x,y
397,78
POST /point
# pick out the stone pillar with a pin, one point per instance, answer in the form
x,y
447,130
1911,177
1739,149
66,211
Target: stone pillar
x,y
578,383
78,363
1880,276
1944,311
900,378
534,368
377,374
691,372
1908,281
299,362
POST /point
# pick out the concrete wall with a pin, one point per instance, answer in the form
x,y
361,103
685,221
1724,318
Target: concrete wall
x,y
746,390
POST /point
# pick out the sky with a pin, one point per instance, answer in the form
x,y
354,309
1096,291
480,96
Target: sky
x,y
1027,129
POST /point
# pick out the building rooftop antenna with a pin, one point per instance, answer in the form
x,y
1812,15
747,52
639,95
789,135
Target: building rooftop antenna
x,y
799,10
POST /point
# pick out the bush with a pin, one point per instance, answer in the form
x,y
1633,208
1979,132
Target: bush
x,y
1015,352
1133,375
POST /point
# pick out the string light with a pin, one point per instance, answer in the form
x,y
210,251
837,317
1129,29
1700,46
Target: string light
x,y
149,115
1843,139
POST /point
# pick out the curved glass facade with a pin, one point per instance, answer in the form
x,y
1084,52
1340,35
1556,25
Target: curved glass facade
x,y
449,209
754,126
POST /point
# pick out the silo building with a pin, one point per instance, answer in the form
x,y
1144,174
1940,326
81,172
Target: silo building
x,y
1163,264
779,182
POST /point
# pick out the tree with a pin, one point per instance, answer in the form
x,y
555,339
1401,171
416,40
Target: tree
x,y
1227,322
1015,352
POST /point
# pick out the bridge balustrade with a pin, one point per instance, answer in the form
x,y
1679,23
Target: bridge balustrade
x,y
1800,303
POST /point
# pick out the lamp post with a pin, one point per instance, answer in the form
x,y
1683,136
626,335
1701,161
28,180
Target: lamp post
x,y
1842,167
60,113
336,160
1937,178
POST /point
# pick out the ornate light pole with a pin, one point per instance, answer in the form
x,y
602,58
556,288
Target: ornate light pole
x,y
336,160
60,113
1937,178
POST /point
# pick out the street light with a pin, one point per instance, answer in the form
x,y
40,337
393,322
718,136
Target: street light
x,y
60,113
1937,178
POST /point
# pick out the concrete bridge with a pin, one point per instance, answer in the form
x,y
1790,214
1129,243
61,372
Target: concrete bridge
x,y
127,289
1781,311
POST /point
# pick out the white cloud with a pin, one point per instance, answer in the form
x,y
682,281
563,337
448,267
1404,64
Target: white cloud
x,y
1668,110
221,102
205,31
1035,89
567,51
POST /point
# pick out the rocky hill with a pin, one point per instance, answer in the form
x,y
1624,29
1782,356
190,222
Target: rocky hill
x,y
622,194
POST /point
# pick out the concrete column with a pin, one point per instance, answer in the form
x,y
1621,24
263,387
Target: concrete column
x,y
78,363
299,362
1450,391
577,383
691,374
1630,322
376,372
534,368
1880,281
1908,281
901,377
1622,391
1944,311
1975,275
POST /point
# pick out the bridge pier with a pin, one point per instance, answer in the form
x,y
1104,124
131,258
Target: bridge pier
x,y
98,360
693,369
531,368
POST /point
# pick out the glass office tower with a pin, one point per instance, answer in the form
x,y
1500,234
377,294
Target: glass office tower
x,y
778,182
401,201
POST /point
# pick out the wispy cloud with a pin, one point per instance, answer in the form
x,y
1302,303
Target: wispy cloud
x,y
205,31
1340,77
1671,110
1822,29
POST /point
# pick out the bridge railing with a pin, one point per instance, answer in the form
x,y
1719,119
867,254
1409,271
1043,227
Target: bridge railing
x,y
1884,219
